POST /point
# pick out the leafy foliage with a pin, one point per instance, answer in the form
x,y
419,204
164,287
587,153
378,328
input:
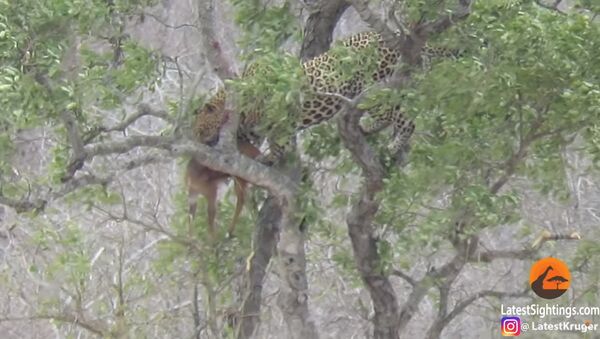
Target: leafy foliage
x,y
66,56
274,86
534,92
265,28
490,126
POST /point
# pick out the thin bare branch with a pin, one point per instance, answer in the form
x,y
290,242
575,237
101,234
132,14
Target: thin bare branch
x,y
444,22
162,22
76,142
95,327
404,276
526,253
189,243
23,205
28,203
440,323
143,110
511,164
448,272
38,204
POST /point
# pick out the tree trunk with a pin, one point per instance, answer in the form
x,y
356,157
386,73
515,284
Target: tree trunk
x,y
265,240
318,31
293,301
361,231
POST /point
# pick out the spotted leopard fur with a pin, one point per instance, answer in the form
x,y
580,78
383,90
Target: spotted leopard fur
x,y
320,105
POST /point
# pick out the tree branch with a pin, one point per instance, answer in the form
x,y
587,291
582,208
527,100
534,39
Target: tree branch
x,y
38,204
388,320
162,22
265,240
410,44
447,277
391,39
23,205
220,64
95,327
444,22
511,164
155,226
360,219
231,162
317,39
448,271
318,31
143,110
552,7
76,142
526,253
404,276
435,330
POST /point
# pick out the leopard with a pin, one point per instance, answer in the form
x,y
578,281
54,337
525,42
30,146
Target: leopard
x,y
328,88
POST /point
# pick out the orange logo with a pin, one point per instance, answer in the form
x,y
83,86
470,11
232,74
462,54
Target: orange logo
x,y
549,278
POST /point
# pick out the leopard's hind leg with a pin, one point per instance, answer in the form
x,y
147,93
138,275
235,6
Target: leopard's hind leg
x,y
403,129
400,145
373,123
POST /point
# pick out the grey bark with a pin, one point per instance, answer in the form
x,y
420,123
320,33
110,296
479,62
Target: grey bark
x,y
293,295
318,31
318,36
361,231
265,238
388,320
220,64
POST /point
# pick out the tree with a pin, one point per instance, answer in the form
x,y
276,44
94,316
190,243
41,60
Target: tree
x,y
513,120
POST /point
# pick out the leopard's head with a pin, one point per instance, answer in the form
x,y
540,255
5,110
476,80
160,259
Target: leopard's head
x,y
209,119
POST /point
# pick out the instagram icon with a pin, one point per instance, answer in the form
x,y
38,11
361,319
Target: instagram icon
x,y
511,326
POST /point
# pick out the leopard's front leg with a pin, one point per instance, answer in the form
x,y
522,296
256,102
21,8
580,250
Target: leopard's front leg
x,y
275,152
